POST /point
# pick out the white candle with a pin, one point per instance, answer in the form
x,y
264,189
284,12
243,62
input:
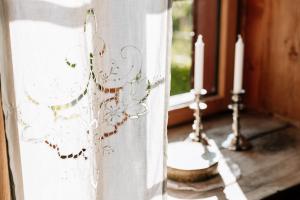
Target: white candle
x,y
199,63
238,65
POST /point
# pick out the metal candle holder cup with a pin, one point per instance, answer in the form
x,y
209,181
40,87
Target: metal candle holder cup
x,y
236,141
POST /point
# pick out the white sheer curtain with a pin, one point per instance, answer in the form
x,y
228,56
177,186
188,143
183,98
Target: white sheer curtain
x,y
85,86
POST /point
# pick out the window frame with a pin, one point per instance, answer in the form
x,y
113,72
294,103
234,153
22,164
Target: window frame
x,y
179,111
4,160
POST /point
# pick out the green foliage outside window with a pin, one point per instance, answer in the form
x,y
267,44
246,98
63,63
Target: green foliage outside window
x,y
181,46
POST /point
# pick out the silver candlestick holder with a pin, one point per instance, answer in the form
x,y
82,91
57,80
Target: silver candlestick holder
x,y
236,141
194,159
198,134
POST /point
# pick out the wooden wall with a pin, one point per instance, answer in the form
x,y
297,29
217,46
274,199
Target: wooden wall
x,y
271,29
4,177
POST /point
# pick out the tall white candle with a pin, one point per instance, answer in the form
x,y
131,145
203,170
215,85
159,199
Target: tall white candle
x,y
238,65
199,63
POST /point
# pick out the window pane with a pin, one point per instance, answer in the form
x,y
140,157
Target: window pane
x,y
205,15
207,18
182,46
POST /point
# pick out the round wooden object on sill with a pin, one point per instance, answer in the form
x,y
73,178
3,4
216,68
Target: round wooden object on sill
x,y
191,162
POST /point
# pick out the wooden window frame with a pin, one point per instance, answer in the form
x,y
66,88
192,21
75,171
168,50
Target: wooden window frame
x,y
179,111
4,171
5,190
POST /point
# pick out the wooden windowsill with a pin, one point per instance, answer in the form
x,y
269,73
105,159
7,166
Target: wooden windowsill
x,y
272,164
180,113
184,100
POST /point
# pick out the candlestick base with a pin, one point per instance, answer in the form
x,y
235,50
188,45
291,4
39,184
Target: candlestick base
x,y
190,161
236,143
193,137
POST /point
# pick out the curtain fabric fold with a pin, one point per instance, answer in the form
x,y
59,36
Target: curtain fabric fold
x,y
85,90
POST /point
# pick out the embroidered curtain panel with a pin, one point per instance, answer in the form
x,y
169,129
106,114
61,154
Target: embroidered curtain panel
x,y
85,86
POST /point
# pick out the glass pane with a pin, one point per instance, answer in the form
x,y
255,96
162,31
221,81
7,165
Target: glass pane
x,y
207,17
205,14
182,46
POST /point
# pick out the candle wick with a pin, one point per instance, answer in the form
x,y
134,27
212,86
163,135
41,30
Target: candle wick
x,y
240,37
199,39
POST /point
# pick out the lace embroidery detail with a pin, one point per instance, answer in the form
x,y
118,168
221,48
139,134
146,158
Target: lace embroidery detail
x,y
125,102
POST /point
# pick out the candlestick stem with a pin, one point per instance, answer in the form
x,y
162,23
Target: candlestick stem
x,y
198,134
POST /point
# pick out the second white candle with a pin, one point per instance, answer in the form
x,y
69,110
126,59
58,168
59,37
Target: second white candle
x,y
238,65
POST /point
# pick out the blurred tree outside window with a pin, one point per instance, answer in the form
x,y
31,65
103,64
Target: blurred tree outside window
x,y
182,46
206,21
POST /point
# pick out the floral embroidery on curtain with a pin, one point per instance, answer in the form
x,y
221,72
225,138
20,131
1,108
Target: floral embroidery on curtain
x,y
126,102
85,96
